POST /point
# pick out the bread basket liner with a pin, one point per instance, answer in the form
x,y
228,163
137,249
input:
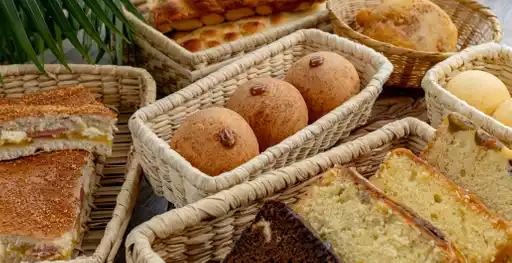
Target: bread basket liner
x,y
175,67
202,225
120,86
473,20
173,177
491,57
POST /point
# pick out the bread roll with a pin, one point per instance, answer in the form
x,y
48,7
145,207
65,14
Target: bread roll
x,y
503,113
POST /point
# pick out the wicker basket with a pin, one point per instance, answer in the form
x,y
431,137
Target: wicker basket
x,y
476,23
493,58
173,177
208,229
124,89
175,67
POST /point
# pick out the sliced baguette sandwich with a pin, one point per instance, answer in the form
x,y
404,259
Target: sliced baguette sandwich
x,y
474,160
364,225
479,234
63,118
44,200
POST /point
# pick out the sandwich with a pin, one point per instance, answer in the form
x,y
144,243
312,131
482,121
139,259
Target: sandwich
x,y
44,200
63,118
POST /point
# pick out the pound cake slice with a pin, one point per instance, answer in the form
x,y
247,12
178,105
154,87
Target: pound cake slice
x,y
480,235
57,119
364,225
43,203
474,160
279,235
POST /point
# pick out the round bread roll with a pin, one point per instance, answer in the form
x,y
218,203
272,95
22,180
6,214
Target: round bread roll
x,y
273,108
215,140
325,79
479,89
415,24
503,113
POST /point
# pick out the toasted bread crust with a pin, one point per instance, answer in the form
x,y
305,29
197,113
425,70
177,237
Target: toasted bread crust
x,y
39,198
71,101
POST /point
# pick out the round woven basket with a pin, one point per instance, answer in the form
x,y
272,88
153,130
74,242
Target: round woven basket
x,y
475,22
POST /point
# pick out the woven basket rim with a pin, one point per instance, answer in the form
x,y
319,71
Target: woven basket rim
x,y
432,86
239,174
139,240
497,33
182,55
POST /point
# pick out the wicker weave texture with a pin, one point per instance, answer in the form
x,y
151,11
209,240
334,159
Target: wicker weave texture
x,y
208,229
173,177
174,67
475,22
124,89
493,58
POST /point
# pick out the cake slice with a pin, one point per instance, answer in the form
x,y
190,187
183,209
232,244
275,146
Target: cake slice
x,y
364,225
63,118
474,160
43,203
480,235
279,235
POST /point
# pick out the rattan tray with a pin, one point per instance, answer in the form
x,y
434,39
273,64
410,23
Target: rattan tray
x,y
175,67
493,58
476,23
124,89
173,177
207,230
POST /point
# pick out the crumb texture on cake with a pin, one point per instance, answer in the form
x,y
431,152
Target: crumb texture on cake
x,y
474,160
365,226
477,233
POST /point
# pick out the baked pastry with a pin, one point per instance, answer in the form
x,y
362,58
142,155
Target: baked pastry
x,y
326,80
503,113
364,225
211,36
479,234
415,24
43,203
474,160
215,140
274,109
279,235
479,89
63,118
186,15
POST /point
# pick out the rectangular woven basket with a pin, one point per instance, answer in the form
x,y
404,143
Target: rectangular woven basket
x,y
208,229
173,177
123,89
493,58
175,67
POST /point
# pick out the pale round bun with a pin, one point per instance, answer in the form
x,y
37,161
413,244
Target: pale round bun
x,y
479,89
215,140
503,113
326,80
274,109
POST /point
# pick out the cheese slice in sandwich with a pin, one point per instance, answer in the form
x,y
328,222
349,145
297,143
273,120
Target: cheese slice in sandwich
x,y
63,118
365,225
44,200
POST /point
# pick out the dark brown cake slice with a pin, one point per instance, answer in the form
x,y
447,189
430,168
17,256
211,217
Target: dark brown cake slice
x,y
279,235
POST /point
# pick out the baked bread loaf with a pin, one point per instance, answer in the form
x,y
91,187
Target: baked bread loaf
x,y
44,202
503,113
274,109
279,235
474,160
479,234
415,24
186,15
364,225
479,89
215,140
325,79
